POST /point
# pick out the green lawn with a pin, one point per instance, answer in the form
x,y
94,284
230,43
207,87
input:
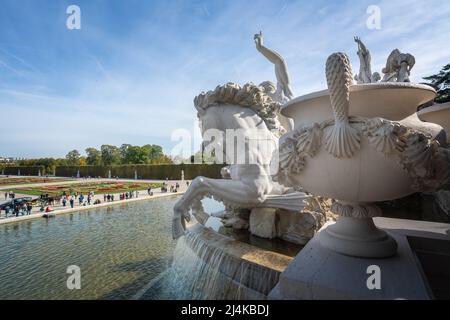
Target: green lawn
x,y
96,187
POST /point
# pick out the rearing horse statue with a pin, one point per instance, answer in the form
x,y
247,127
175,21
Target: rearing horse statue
x,y
252,116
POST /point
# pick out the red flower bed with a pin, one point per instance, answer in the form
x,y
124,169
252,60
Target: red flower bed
x,y
134,186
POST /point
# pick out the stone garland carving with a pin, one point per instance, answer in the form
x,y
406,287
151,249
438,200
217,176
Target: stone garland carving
x,y
249,95
385,136
421,156
304,143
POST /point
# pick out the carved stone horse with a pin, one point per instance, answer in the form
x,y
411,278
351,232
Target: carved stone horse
x,y
253,116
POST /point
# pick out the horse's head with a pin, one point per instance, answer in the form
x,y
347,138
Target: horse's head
x,y
246,111
251,98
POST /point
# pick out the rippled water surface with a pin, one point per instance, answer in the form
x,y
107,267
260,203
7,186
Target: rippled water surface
x,y
119,249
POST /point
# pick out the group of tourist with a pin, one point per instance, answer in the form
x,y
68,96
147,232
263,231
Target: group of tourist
x,y
70,200
109,197
82,200
18,209
173,188
129,195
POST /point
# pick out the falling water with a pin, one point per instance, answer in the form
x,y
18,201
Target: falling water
x,y
206,267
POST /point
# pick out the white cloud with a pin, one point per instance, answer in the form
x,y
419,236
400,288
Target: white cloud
x,y
138,88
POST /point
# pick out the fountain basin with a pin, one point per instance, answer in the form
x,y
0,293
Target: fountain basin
x,y
438,113
391,101
209,265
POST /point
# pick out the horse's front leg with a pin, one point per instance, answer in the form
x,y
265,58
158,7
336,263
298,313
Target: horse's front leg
x,y
196,190
231,191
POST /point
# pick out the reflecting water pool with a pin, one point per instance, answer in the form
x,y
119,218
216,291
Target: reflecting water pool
x,y
118,249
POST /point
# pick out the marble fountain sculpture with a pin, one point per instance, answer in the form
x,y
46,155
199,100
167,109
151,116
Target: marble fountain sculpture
x,y
251,113
242,125
346,149
361,144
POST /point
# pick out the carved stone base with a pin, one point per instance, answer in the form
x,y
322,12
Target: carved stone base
x,y
358,237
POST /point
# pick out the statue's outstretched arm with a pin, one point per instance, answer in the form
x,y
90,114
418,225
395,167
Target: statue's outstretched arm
x,y
271,55
280,65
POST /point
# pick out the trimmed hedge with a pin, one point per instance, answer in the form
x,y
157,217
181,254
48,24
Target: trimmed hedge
x,y
144,171
24,171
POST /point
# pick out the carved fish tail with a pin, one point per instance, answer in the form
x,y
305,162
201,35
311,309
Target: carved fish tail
x,y
342,140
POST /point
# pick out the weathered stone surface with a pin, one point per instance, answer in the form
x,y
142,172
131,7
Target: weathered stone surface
x,y
262,223
443,200
298,227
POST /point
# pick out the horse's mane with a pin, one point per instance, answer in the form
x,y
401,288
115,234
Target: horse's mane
x,y
248,96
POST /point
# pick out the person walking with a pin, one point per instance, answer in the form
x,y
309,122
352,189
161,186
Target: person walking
x,y
72,202
29,208
64,201
6,195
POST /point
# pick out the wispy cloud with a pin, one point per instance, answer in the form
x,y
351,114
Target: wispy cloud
x,y
131,73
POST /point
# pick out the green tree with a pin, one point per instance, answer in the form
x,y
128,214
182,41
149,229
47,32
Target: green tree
x,y
73,158
93,156
110,155
137,155
155,152
441,82
124,152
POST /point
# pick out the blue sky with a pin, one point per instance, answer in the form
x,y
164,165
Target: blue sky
x,y
130,74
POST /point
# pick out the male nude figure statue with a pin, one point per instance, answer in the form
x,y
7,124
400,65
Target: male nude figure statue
x,y
283,91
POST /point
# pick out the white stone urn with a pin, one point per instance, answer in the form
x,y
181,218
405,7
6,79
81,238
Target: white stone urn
x,y
360,144
437,113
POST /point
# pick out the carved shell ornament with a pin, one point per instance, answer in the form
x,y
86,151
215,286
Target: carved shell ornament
x,y
248,96
385,136
425,160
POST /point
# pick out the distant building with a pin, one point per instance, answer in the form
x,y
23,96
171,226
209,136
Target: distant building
x,y
6,159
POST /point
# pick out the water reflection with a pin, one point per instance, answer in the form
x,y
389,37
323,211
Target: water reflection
x,y
119,249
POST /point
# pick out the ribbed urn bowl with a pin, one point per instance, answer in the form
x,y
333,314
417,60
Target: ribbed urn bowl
x,y
389,100
360,144
438,113
370,174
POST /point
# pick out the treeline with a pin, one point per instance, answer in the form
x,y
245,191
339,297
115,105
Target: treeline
x,y
140,171
441,82
125,154
143,171
108,155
